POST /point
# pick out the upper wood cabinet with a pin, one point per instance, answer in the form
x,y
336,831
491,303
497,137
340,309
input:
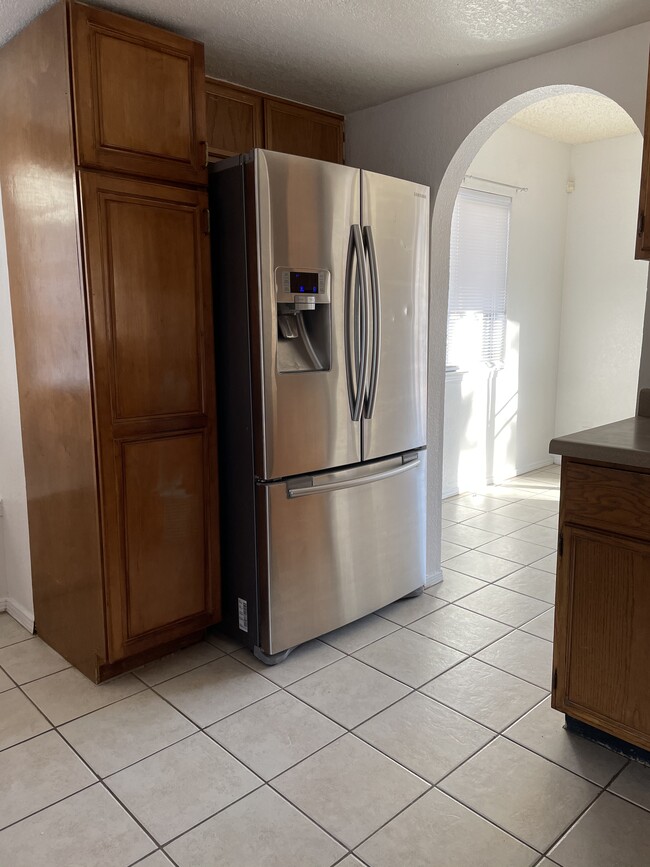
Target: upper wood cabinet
x,y
643,225
139,97
234,120
295,129
239,120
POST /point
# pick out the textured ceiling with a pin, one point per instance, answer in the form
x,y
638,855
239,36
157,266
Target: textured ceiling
x,y
348,54
576,118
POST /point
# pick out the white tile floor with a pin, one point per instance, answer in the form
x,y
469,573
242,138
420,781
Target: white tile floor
x,y
421,736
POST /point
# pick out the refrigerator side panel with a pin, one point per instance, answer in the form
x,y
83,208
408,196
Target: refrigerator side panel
x,y
341,545
397,212
305,210
234,402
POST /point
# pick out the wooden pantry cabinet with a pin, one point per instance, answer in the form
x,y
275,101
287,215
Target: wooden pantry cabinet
x,y
105,209
602,639
241,119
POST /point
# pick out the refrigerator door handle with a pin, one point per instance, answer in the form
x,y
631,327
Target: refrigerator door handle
x,y
306,487
348,290
376,322
360,336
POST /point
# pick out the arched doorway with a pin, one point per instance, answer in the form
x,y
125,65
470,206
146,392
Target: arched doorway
x,y
441,225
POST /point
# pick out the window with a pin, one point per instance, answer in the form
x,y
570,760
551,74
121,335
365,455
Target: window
x,y
476,323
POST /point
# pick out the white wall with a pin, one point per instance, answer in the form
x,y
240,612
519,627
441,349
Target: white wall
x,y
15,566
432,136
506,419
604,287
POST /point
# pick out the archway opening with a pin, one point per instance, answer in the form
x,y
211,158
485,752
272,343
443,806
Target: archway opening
x,y
567,355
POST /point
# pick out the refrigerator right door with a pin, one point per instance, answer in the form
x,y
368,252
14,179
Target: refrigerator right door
x,y
395,219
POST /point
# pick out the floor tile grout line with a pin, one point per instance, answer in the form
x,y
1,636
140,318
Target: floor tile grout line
x,y
87,713
134,671
503,622
491,822
478,722
149,755
53,804
566,831
98,779
163,846
478,650
331,834
486,818
117,800
27,740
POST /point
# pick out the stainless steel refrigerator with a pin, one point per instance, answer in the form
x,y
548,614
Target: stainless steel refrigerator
x,y
321,305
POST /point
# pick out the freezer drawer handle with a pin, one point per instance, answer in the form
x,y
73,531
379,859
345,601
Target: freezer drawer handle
x,y
351,483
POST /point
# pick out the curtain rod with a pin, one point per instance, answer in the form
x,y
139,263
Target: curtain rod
x,y
498,183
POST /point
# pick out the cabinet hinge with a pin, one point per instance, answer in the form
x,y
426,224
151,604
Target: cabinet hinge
x,y
554,684
641,224
560,544
206,219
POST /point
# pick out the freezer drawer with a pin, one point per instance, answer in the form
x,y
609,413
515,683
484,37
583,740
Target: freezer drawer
x,y
340,545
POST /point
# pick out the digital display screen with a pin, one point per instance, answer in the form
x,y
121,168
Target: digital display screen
x,y
302,283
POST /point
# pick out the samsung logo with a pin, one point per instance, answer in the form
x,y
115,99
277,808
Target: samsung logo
x,y
420,195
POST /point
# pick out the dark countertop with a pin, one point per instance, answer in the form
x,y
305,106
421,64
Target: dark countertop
x,y
624,442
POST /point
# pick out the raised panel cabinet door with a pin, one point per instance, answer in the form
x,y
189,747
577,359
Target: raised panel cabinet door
x,y
139,97
234,120
603,643
306,132
643,225
149,294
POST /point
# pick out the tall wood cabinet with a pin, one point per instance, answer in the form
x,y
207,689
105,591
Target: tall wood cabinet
x,y
241,119
103,156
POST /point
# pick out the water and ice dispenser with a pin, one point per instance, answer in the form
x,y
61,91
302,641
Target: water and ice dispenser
x,y
304,320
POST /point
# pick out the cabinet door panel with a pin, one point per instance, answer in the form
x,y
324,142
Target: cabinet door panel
x,y
149,293
602,655
306,132
165,544
139,97
234,120
154,289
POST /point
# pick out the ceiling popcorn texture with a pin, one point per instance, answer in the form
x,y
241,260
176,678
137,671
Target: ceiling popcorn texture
x,y
350,54
576,118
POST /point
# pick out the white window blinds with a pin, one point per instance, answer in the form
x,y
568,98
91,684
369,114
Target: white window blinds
x,y
478,268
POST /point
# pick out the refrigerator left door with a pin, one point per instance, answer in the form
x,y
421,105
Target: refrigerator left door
x,y
305,211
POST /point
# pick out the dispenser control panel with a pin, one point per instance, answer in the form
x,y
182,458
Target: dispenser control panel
x,y
293,284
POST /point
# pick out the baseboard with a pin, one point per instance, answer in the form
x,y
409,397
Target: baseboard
x,y
450,492
434,578
18,612
523,469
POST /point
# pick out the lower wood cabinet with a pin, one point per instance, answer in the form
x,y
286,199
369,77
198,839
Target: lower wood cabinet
x,y
602,618
148,280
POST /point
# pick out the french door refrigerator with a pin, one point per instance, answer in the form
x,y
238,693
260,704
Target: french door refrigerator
x,y
321,304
